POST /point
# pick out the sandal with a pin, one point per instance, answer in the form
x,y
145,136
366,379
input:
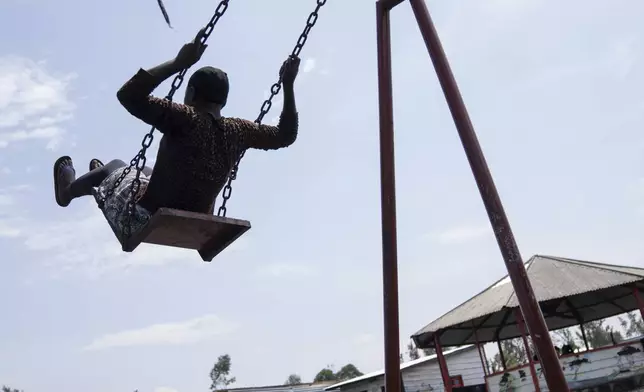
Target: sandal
x,y
95,164
58,167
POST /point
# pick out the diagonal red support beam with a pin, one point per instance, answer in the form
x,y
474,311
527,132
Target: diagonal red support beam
x,y
492,201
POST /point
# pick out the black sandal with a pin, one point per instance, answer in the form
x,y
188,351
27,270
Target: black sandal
x,y
58,166
95,164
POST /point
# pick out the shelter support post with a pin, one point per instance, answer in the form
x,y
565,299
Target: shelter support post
x,y
478,347
498,219
505,366
533,371
388,201
487,364
442,363
640,302
583,336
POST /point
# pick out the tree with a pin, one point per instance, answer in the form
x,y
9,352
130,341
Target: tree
x,y
429,351
632,324
599,335
219,373
567,337
513,352
293,379
348,372
8,389
325,374
412,351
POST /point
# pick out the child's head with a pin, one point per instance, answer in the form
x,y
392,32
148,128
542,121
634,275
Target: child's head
x,y
207,85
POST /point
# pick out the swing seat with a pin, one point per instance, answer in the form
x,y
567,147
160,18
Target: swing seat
x,y
206,233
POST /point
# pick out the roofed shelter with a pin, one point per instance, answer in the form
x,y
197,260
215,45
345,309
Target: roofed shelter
x,y
570,292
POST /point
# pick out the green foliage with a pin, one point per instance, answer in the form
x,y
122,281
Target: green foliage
x,y
632,324
293,379
412,351
598,334
348,372
220,372
566,336
325,374
513,352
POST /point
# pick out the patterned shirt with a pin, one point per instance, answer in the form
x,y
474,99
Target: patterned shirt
x,y
197,150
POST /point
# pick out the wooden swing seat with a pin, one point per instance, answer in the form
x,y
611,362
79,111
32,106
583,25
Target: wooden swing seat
x,y
206,233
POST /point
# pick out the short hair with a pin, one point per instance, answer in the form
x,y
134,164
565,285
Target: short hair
x,y
210,84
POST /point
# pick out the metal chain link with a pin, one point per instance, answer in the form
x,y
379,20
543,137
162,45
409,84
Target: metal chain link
x,y
140,159
266,106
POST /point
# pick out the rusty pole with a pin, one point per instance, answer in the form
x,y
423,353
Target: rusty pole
x,y
533,371
498,219
388,202
442,363
478,348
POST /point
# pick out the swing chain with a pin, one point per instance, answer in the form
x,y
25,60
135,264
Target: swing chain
x,y
140,159
266,105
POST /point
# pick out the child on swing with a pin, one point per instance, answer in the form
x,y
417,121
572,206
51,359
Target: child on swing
x,y
198,149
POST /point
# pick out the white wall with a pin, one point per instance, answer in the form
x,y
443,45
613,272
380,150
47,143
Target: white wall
x,y
426,377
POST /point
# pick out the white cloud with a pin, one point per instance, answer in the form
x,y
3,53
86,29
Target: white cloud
x,y
365,339
5,200
278,270
34,103
5,170
200,329
309,65
7,230
81,242
462,234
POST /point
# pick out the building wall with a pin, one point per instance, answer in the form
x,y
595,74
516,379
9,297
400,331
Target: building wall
x,y
426,377
309,387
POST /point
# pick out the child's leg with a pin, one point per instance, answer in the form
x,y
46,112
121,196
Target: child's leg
x,y
67,187
84,185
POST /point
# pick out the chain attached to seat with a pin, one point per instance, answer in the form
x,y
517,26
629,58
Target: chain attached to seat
x,y
139,159
266,106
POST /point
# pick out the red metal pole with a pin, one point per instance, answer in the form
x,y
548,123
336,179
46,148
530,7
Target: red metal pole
x,y
501,355
487,364
640,302
442,364
388,203
498,219
478,347
533,371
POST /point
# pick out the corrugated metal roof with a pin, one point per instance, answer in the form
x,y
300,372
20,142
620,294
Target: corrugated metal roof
x,y
403,366
567,289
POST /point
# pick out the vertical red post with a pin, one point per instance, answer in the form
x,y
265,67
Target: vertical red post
x,y
478,347
640,302
388,202
533,371
500,347
492,201
487,364
583,335
442,363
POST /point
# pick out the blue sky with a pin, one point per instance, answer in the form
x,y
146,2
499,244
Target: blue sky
x,y
554,92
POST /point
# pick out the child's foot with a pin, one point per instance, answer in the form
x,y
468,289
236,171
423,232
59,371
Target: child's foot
x,y
64,174
95,164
